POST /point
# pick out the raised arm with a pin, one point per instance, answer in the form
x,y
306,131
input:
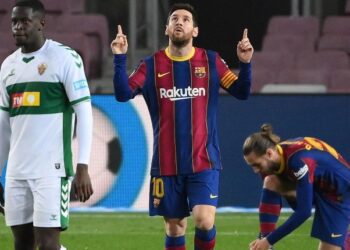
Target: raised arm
x,y
124,88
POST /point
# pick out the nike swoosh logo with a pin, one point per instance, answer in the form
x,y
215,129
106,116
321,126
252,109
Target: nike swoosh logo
x,y
333,235
163,74
213,196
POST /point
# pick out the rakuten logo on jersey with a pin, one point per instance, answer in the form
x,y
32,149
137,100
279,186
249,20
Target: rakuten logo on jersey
x,y
175,94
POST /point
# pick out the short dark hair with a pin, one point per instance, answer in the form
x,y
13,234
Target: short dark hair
x,y
184,6
35,5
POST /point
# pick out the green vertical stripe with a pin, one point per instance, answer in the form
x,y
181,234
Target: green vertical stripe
x,y
65,192
67,141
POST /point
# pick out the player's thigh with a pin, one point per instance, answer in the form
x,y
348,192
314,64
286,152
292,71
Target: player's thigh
x,y
18,202
326,246
203,188
281,185
51,202
168,197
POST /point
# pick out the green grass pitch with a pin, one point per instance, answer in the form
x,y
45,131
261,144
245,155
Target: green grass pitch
x,y
138,231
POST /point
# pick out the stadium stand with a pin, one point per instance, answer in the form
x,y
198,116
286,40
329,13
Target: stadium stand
x,y
296,25
5,7
3,54
95,28
77,6
340,81
261,77
347,7
7,42
273,60
312,56
292,43
303,76
71,16
339,25
67,20
334,42
324,60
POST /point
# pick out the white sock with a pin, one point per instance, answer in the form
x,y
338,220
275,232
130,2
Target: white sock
x,y
63,248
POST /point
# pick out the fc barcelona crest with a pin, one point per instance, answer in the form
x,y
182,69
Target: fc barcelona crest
x,y
199,72
41,68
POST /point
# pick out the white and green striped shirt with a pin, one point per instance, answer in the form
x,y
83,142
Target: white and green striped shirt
x,y
38,90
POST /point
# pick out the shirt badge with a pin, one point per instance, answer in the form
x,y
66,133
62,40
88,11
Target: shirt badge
x,y
199,72
41,68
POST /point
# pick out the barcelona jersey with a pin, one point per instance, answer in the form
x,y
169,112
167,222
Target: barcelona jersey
x,y
327,169
322,178
182,96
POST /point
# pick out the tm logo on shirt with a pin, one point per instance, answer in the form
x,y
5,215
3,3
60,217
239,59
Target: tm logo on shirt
x,y
29,99
175,94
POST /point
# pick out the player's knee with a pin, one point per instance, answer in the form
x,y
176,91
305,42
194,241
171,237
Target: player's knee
x,y
204,222
48,244
271,182
175,227
24,243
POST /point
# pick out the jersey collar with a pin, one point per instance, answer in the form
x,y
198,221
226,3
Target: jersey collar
x,y
282,165
180,58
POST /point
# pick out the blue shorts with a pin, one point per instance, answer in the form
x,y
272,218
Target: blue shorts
x,y
175,196
331,219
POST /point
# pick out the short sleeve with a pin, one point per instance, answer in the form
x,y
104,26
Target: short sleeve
x,y
74,79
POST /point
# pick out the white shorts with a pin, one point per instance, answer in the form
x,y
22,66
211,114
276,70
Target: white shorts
x,y
44,201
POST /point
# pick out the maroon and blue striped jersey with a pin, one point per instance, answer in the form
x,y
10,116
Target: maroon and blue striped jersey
x,y
320,173
182,97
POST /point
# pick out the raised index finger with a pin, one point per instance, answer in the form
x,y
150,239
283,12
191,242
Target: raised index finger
x,y
245,33
120,31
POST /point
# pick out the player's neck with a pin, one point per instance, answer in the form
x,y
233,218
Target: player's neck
x,y
35,46
180,51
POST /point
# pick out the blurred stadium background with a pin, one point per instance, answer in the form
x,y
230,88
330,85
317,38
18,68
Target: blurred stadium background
x,y
301,84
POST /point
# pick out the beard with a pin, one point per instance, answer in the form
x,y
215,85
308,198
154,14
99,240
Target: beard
x,y
274,166
179,42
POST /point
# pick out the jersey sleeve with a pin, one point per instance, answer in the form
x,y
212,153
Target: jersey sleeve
x,y
4,96
304,193
126,88
227,77
74,79
239,86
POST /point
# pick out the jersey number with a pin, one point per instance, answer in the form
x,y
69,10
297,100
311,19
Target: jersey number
x,y
158,187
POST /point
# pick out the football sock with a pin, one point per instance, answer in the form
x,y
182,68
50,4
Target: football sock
x,y
63,248
175,243
204,240
269,211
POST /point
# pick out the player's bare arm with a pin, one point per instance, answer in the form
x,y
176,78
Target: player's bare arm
x,y
120,44
245,49
82,183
